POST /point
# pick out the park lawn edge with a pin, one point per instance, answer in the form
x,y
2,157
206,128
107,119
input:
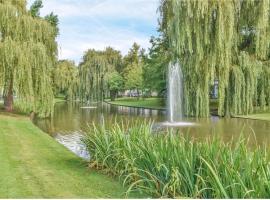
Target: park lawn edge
x,y
125,103
259,116
34,165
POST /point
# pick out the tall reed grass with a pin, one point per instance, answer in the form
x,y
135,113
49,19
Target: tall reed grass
x,y
170,165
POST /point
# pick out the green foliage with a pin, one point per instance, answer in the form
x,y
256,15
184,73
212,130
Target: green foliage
x,y
133,55
93,73
53,20
65,79
224,40
134,77
115,84
155,66
133,68
171,166
115,81
35,8
27,54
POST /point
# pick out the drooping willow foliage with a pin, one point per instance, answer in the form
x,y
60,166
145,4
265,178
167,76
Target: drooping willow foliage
x,y
224,40
93,73
65,79
27,54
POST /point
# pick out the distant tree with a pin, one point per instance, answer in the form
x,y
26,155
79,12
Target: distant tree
x,y
133,63
65,79
115,83
134,78
53,20
132,58
155,66
93,71
35,8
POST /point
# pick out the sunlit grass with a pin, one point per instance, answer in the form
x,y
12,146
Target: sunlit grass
x,y
170,165
34,165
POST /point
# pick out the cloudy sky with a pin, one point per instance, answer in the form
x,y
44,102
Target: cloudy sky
x,y
96,24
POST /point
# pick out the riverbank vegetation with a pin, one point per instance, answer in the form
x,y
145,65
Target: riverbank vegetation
x,y
34,165
172,166
259,116
151,103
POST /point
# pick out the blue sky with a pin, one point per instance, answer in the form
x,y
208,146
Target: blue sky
x,y
86,24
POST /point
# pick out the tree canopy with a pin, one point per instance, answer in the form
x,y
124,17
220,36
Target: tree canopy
x,y
27,54
115,84
155,65
220,40
65,79
93,72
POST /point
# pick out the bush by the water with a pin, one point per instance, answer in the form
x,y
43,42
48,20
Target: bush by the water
x,y
170,165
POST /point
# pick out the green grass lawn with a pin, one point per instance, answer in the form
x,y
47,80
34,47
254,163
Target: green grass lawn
x,y
153,103
59,99
259,116
34,165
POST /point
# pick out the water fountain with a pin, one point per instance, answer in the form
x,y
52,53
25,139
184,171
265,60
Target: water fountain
x,y
175,96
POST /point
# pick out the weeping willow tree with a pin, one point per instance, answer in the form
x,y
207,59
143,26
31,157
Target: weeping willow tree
x,y
224,40
27,54
93,73
65,79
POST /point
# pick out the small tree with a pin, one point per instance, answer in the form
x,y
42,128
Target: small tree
x,y
115,82
134,78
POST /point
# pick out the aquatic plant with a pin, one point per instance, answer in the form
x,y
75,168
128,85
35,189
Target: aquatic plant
x,y
171,165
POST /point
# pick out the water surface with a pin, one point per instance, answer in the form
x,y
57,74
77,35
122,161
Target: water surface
x,y
72,120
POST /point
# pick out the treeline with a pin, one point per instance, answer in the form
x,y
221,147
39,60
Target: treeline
x,y
214,41
103,74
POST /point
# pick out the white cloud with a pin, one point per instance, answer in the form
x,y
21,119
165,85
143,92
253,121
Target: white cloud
x,y
97,24
142,9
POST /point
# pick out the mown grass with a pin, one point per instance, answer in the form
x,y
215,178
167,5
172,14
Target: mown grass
x,y
170,165
34,165
151,103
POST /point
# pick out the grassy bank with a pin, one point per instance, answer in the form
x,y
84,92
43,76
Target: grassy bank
x,y
168,165
152,103
259,116
59,99
34,165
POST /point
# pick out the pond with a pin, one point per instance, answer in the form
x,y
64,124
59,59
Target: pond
x,y
72,120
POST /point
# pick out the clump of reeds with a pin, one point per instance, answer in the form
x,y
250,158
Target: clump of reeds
x,y
171,165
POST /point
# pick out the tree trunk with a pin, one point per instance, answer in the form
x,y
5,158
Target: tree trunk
x,y
138,94
8,98
113,95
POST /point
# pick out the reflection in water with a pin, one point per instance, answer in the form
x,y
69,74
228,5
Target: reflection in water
x,y
73,141
70,120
